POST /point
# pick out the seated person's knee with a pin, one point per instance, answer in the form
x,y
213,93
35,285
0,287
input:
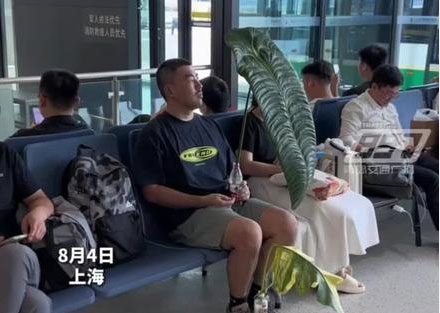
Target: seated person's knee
x,y
17,253
44,305
36,301
246,235
287,227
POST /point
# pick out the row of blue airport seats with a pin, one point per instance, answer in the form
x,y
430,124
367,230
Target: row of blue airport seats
x,y
327,113
161,259
47,157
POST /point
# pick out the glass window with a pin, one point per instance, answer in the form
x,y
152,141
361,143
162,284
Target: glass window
x,y
171,29
201,11
201,32
350,26
201,45
145,33
292,24
8,41
418,48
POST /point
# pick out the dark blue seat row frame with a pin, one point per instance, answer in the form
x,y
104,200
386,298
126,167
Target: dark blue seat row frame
x,y
160,260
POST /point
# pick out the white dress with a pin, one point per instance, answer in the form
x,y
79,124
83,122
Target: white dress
x,y
337,227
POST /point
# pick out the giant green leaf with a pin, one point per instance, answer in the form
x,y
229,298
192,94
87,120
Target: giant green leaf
x,y
292,269
286,112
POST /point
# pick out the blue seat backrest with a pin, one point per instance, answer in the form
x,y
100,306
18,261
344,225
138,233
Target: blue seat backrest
x,y
407,104
18,143
122,132
230,123
47,161
327,117
153,230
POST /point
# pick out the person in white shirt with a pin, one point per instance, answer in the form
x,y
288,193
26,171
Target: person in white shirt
x,y
372,114
320,81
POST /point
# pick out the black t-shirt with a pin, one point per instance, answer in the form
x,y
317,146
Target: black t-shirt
x,y
53,125
16,184
257,141
191,157
358,90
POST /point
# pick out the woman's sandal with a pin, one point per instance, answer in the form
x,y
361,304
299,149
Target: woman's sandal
x,y
349,284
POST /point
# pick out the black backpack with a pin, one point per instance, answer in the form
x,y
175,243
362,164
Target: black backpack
x,y
100,186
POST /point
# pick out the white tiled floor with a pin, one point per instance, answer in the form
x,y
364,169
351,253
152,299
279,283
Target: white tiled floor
x,y
399,278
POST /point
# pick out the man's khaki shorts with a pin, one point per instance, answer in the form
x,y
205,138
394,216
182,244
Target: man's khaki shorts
x,y
206,227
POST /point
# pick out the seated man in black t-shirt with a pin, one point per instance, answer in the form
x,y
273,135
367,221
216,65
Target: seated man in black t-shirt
x,y
58,98
370,58
182,162
19,268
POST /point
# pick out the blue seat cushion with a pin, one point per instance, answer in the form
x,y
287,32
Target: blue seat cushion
x,y
72,299
155,264
210,256
213,256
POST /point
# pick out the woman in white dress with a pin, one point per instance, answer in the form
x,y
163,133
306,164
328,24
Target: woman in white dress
x,y
341,225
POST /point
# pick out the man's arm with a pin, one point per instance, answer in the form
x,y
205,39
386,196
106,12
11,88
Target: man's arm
x,y
254,168
170,198
351,124
40,208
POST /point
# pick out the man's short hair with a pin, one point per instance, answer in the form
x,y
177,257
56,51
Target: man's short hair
x,y
321,69
215,94
373,56
387,75
60,87
166,71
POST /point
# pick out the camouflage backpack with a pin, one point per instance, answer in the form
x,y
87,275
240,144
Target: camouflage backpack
x,y
100,186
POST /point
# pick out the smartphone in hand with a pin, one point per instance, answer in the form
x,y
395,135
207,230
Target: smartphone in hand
x,y
13,239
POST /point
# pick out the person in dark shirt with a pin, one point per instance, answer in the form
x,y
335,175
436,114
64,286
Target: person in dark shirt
x,y
19,268
58,98
182,162
216,97
371,57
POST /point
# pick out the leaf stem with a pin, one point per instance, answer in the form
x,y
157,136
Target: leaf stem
x,y
243,126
